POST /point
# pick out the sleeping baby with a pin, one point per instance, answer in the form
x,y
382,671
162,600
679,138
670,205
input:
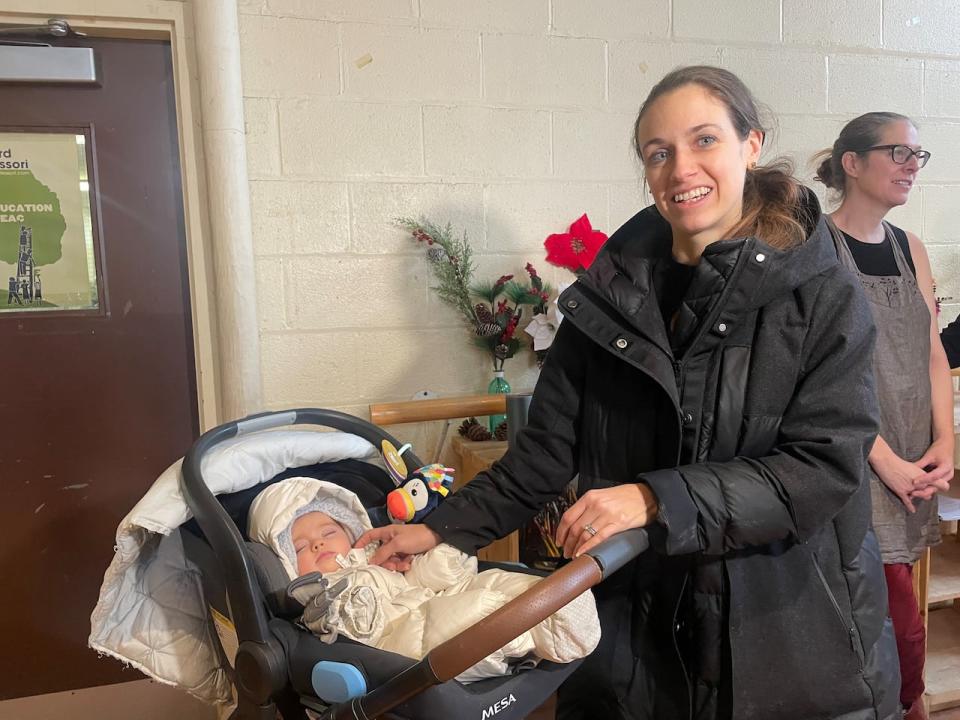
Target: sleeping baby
x,y
312,525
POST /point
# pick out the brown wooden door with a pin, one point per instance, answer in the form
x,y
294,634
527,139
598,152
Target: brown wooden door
x,y
94,406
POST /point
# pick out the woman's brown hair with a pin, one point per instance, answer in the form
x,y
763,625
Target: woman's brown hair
x,y
857,135
771,196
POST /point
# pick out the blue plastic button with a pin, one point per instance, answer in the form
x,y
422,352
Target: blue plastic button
x,y
337,682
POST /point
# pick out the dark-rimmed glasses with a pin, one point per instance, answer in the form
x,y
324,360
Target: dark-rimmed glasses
x,y
901,154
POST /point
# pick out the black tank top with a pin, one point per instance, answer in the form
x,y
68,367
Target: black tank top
x,y
877,259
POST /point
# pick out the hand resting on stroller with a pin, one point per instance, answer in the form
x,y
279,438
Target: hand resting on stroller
x,y
311,525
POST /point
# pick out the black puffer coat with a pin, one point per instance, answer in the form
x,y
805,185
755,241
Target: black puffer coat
x,y
764,597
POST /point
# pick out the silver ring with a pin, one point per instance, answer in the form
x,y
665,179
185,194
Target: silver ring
x,y
590,529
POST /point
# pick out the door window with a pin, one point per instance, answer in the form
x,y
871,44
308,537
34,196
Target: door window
x,y
48,259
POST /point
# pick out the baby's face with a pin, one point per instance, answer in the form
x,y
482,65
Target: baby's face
x,y
318,539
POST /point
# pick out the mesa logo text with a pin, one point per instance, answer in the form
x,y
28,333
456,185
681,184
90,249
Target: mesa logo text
x,y
498,706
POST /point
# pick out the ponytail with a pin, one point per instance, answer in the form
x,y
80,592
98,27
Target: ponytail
x,y
772,206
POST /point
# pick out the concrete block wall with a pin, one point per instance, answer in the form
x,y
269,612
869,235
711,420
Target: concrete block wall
x,y
510,118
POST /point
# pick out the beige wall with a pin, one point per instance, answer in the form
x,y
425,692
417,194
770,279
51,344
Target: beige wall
x,y
509,118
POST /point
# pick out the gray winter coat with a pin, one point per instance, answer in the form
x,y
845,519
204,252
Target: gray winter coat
x,y
764,595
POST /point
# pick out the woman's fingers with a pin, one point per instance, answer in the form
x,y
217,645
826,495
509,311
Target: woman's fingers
x,y
397,542
907,502
576,539
573,531
591,541
945,472
939,484
381,535
601,513
926,492
570,519
923,493
937,464
397,563
384,554
933,474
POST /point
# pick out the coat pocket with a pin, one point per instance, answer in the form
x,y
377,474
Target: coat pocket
x,y
845,624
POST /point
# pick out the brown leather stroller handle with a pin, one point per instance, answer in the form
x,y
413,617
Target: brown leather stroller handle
x,y
462,652
516,617
456,655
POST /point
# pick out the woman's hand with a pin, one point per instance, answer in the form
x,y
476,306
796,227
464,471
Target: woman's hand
x,y
903,478
937,461
607,511
398,543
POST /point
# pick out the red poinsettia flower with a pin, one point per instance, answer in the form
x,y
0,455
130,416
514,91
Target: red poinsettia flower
x,y
575,250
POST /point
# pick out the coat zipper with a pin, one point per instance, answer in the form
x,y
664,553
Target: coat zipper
x,y
851,633
676,647
678,379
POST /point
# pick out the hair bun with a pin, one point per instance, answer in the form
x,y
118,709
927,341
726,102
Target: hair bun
x,y
825,173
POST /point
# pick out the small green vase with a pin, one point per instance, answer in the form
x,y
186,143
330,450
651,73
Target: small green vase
x,y
497,386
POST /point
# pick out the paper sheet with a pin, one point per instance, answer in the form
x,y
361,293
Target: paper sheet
x,y
949,507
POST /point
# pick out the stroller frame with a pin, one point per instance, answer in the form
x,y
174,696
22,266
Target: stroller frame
x,y
261,674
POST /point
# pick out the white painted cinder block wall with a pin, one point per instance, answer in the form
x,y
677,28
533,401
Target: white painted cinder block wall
x,y
510,118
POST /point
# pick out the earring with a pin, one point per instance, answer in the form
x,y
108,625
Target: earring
x,y
752,165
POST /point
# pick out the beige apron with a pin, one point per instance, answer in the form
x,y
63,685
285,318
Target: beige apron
x,y
902,368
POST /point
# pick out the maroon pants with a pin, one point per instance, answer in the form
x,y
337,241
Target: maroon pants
x,y
908,627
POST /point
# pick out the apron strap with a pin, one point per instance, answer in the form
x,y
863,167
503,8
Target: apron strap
x,y
902,265
840,243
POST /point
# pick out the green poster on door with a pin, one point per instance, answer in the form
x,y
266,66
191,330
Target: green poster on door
x,y
47,259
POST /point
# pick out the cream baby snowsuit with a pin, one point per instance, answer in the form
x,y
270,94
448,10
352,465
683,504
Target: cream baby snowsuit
x,y
411,613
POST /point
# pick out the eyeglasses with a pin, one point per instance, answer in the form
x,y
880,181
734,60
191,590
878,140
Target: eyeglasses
x,y
901,154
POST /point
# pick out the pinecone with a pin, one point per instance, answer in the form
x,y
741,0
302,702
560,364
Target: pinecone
x,y
483,313
466,425
478,433
500,432
436,254
488,329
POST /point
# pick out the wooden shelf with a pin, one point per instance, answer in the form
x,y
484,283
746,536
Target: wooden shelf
x,y
943,658
944,571
942,606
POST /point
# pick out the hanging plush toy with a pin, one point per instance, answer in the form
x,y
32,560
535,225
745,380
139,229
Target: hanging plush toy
x,y
420,493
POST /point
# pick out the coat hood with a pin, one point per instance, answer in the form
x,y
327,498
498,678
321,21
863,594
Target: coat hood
x,y
622,271
274,510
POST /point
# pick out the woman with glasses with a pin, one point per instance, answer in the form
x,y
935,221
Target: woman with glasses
x,y
872,166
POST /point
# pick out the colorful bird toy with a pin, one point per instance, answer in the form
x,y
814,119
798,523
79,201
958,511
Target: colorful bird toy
x,y
420,493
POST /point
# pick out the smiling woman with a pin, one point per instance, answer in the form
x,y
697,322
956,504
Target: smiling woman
x,y
711,382
696,172
762,201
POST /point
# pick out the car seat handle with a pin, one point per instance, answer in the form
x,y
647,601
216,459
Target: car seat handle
x,y
246,599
